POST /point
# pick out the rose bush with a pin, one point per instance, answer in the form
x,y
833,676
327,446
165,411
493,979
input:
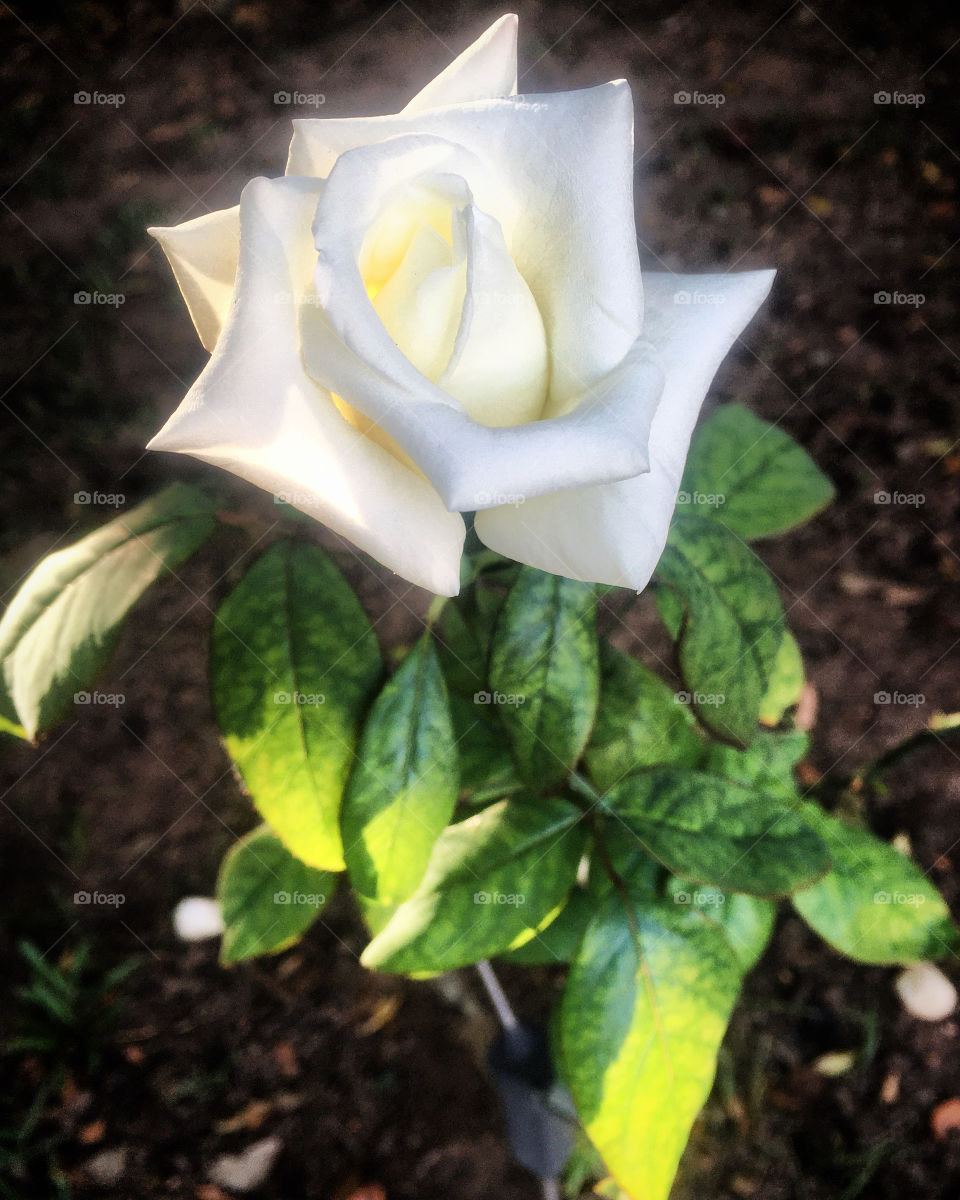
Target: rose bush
x,y
441,312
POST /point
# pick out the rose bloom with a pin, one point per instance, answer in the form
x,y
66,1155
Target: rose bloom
x,y
442,312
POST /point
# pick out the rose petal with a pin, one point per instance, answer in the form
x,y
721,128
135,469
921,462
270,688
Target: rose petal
x,y
557,172
615,533
203,254
499,366
347,349
487,69
256,412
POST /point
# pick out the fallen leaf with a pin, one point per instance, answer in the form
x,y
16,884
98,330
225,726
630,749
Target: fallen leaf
x,y
890,1090
90,1134
945,1118
285,1057
383,1013
252,1116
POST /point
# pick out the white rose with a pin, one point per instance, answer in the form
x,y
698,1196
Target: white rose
x,y
441,311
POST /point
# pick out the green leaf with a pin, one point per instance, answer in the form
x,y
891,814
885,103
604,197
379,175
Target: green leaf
x,y
403,788
875,905
62,626
641,1021
557,941
714,831
492,879
486,764
746,921
640,722
785,683
752,475
766,765
734,623
545,652
294,664
461,652
268,897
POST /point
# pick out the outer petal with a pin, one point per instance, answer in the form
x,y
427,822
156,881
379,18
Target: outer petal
x,y
615,533
203,254
486,70
257,413
584,276
564,162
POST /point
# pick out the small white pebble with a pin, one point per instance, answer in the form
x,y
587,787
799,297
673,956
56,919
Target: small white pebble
x,y
925,992
196,918
248,1170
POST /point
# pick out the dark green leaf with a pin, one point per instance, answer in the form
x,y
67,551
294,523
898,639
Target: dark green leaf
x,y
544,657
767,764
268,897
641,722
752,475
62,626
491,880
875,905
557,942
294,664
747,921
734,623
713,830
644,1011
403,788
487,768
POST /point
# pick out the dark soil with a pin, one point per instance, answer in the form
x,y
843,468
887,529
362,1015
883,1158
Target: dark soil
x,y
365,1080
